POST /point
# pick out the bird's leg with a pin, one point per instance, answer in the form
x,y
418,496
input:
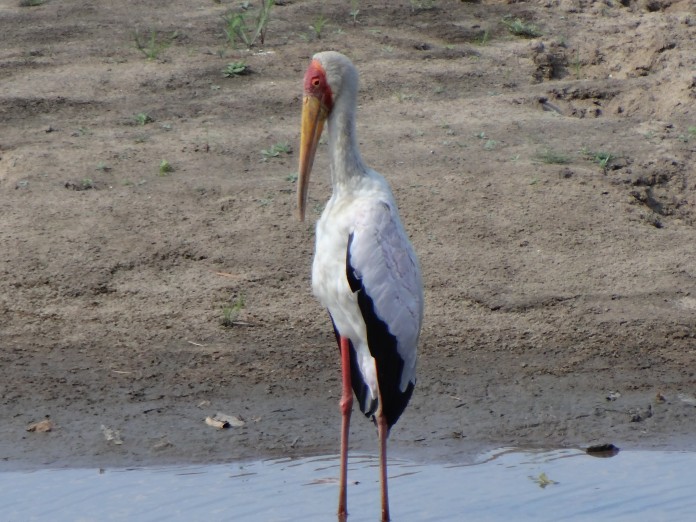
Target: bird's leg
x,y
346,406
383,431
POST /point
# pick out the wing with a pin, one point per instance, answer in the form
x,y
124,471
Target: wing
x,y
383,270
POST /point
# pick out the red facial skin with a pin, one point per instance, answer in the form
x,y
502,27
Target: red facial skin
x,y
315,84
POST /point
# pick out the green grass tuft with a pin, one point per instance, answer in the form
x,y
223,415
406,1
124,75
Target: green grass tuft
x,y
235,69
230,312
276,150
553,157
165,168
142,118
152,47
519,27
237,29
318,25
603,159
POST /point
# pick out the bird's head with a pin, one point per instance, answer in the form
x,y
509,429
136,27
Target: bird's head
x,y
329,76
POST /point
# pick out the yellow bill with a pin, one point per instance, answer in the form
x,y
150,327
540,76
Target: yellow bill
x,y
314,114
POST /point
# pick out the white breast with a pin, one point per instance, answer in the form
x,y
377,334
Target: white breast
x,y
387,263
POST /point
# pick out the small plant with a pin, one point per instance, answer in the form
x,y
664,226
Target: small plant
x,y
154,45
401,97
237,29
235,69
552,157
230,312
292,178
318,25
31,3
692,131
422,5
276,150
103,167
603,159
354,11
490,144
485,37
87,184
142,118
165,168
519,27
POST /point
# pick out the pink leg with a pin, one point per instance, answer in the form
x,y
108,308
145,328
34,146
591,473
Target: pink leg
x,y
383,432
346,406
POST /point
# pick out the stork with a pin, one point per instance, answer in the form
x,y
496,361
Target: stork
x,y
365,271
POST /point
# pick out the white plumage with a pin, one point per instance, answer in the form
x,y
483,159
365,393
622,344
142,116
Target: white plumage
x,y
365,271
383,258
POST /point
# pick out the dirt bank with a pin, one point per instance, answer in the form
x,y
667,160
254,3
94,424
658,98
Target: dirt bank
x,y
547,184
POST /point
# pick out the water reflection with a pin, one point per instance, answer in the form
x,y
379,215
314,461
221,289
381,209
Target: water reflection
x,y
502,485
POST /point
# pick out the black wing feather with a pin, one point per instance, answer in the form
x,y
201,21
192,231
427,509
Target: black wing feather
x,y
383,348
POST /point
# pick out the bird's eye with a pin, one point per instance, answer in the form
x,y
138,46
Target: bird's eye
x,y
316,81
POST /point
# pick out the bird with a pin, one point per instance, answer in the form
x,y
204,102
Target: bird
x,y
365,270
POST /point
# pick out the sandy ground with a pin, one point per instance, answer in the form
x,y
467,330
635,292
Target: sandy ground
x,y
548,185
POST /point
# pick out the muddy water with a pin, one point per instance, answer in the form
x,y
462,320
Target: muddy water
x,y
500,486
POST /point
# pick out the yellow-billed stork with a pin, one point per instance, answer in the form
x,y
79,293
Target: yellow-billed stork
x,y
365,271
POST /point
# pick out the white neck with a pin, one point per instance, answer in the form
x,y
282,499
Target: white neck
x,y
346,162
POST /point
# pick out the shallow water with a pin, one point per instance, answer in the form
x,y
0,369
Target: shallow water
x,y
500,485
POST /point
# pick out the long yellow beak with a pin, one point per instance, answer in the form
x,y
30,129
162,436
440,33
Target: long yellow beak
x,y
314,114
